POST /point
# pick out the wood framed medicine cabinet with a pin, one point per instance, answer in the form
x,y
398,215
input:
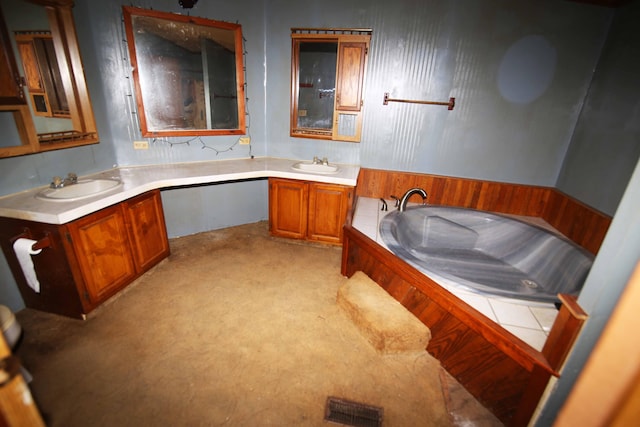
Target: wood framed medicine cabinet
x,y
44,105
328,68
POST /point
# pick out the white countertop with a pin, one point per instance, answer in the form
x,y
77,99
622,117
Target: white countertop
x,y
140,179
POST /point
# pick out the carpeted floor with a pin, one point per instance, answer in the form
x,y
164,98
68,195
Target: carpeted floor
x,y
234,328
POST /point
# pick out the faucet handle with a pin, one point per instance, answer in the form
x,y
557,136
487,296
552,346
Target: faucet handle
x,y
72,177
397,204
56,182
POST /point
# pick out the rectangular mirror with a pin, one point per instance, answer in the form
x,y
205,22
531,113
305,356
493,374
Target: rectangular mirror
x,y
317,74
188,73
328,68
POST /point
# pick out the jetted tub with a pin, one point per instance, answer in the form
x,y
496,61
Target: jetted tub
x,y
486,253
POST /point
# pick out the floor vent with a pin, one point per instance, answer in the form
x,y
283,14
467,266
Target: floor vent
x,y
350,413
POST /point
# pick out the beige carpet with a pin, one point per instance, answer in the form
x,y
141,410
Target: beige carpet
x,y
234,328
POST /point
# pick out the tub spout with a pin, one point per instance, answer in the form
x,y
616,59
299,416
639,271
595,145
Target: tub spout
x,y
403,201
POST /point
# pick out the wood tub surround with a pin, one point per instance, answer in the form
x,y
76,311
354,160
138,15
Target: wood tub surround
x,y
582,224
503,372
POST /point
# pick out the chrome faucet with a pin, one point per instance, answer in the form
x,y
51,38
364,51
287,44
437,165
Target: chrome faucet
x,y
403,201
317,161
58,182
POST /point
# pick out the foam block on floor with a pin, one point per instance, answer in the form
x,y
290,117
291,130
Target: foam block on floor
x,y
384,322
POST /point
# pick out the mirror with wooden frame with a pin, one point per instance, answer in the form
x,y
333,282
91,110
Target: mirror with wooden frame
x,y
44,100
188,74
328,68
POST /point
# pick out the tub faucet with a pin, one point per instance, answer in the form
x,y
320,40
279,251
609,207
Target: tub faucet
x,y
403,201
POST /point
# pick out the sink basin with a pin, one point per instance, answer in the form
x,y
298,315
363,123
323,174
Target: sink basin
x,y
81,190
315,167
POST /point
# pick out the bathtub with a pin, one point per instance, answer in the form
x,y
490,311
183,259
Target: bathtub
x,y
502,350
486,253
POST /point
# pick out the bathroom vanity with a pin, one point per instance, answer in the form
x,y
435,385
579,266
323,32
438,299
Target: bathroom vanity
x,y
94,246
88,260
308,210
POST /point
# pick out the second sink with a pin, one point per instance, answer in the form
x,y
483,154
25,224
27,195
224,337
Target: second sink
x,y
81,190
316,167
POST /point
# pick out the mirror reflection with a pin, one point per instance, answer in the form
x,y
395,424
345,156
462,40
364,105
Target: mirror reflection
x,y
30,34
188,73
40,48
317,74
328,67
42,73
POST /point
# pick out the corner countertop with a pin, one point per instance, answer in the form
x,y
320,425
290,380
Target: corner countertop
x,y
140,179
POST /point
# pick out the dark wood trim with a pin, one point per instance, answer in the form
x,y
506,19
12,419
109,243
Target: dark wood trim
x,y
560,340
583,224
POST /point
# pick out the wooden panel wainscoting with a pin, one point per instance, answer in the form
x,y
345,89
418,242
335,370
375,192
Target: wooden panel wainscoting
x,y
584,225
579,222
503,372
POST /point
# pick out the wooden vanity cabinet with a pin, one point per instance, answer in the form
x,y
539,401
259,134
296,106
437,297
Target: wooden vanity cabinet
x,y
102,252
308,210
147,231
92,258
288,208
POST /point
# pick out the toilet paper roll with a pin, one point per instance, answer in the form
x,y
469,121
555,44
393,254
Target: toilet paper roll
x,y
23,249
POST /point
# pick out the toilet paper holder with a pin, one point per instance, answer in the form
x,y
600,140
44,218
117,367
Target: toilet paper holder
x,y
44,242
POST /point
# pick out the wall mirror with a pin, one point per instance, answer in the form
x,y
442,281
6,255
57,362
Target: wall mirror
x,y
49,106
327,74
188,73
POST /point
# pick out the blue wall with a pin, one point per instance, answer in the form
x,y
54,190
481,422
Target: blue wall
x,y
516,107
606,141
520,72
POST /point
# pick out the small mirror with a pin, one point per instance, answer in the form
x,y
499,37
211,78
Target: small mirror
x,y
188,73
40,48
317,74
328,68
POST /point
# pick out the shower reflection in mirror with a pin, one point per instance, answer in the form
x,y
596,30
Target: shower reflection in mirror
x,y
188,73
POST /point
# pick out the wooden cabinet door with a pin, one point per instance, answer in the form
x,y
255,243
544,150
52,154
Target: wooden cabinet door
x,y
350,76
347,117
101,246
10,89
328,206
147,230
288,202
